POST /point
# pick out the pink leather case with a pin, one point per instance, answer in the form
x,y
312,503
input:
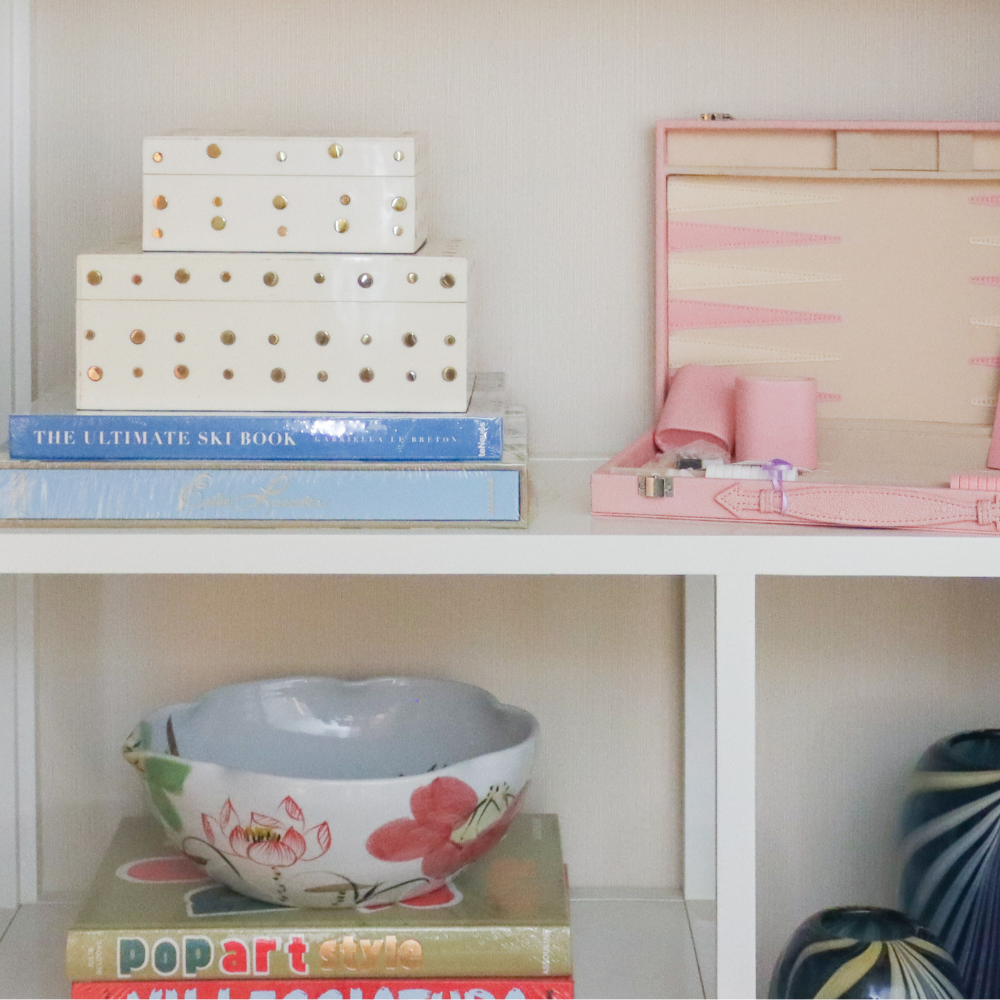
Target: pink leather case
x,y
865,255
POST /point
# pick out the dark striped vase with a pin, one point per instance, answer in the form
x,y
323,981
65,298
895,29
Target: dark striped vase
x,y
863,951
951,853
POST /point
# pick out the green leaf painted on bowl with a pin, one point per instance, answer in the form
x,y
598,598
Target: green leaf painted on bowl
x,y
167,773
164,806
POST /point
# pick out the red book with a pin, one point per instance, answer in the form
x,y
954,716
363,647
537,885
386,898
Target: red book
x,y
554,987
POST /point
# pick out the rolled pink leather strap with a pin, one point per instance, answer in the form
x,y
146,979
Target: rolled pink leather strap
x,y
776,418
699,407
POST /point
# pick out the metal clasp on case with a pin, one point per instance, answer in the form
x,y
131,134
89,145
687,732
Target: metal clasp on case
x,y
655,486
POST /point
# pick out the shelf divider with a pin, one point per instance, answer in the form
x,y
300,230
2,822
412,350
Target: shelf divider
x,y
699,737
9,895
27,772
735,648
15,206
18,801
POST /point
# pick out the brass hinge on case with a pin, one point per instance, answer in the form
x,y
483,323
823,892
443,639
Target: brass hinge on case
x,y
656,486
715,116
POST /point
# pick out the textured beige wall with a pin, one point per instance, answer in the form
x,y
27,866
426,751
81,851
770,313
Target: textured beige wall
x,y
855,679
539,115
596,659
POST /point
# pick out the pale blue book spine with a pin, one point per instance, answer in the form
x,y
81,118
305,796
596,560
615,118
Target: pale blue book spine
x,y
58,437
256,495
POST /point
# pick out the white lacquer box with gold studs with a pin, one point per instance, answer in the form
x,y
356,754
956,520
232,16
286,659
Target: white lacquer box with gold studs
x,y
238,331
279,195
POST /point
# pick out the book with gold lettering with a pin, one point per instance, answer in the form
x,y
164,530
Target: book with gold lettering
x,y
152,915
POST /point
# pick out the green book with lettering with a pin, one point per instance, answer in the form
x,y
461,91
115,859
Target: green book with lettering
x,y
153,915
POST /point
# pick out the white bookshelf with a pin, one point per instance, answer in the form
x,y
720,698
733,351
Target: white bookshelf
x,y
563,297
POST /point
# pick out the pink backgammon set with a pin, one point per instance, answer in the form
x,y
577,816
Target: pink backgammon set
x,y
827,328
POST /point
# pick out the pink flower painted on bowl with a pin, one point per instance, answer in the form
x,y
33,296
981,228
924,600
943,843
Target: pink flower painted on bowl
x,y
451,826
278,843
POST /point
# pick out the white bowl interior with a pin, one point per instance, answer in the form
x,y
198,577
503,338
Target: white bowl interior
x,y
321,727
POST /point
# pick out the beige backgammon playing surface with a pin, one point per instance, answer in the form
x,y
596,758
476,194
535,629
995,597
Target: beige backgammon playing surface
x,y
893,286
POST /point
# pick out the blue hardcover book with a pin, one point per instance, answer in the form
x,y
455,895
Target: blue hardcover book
x,y
59,434
250,493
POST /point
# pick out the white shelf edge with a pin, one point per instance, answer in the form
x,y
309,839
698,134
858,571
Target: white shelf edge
x,y
563,538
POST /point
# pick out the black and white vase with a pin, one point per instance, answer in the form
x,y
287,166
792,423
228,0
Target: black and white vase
x,y
863,951
951,853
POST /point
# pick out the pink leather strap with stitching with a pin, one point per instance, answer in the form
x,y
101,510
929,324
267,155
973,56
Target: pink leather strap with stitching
x,y
858,506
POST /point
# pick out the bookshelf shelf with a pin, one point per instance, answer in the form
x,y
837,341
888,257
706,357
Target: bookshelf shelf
x,y
6,916
562,538
31,950
652,936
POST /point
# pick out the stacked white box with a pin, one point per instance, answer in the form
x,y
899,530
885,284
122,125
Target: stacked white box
x,y
278,195
211,331
277,274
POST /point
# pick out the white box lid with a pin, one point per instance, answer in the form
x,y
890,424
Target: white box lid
x,y
280,156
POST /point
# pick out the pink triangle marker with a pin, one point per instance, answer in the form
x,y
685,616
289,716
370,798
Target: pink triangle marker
x,y
691,314
683,236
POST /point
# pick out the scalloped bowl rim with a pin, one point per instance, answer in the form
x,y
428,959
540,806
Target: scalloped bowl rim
x,y
527,721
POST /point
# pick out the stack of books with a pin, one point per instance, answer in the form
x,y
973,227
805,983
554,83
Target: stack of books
x,y
286,347
154,927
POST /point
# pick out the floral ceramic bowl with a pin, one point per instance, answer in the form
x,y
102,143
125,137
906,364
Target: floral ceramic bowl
x,y
316,792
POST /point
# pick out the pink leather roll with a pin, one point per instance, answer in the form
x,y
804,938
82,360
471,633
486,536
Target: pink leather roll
x,y
699,408
776,418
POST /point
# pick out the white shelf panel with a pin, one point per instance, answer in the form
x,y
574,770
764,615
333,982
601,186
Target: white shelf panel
x,y
32,950
634,944
624,945
701,915
563,538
